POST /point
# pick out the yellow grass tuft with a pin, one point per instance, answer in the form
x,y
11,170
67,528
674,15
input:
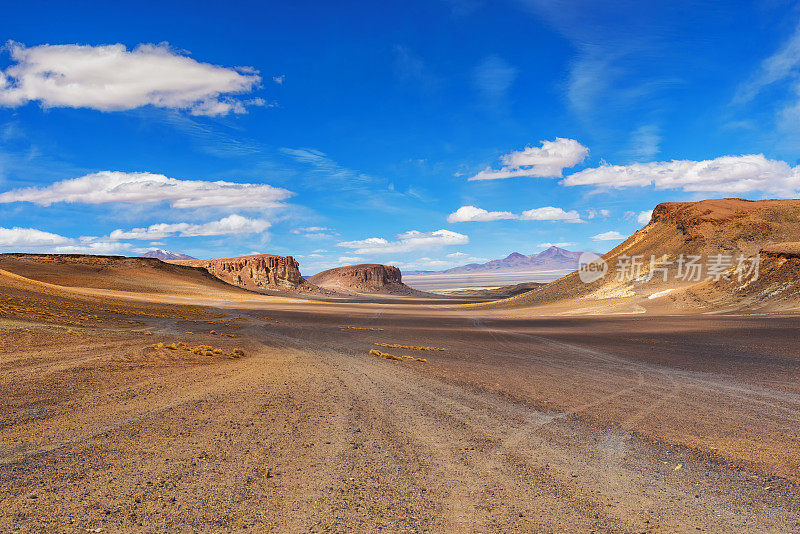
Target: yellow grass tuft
x,y
376,352
384,355
411,347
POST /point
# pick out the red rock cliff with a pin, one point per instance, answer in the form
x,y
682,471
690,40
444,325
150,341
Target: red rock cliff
x,y
261,271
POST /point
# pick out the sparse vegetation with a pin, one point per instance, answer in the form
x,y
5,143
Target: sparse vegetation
x,y
386,356
343,328
200,350
410,347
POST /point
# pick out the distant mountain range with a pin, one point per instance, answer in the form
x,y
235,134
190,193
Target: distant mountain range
x,y
552,259
165,255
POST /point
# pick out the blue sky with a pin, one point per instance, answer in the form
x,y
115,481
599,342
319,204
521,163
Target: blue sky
x,y
422,134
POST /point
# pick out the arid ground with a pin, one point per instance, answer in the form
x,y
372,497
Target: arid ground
x,y
608,424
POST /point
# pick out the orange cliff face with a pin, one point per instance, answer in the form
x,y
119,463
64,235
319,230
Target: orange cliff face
x,y
260,271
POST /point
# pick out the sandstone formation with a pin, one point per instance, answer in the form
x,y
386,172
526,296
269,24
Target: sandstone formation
x,y
363,278
259,271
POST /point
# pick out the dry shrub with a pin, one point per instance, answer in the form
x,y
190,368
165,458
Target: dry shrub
x,y
411,347
384,355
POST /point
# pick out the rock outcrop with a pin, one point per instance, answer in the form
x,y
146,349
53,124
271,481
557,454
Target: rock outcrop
x,y
260,271
363,278
763,233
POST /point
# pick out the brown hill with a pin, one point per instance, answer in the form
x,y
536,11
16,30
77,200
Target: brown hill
x,y
256,272
115,273
363,278
733,228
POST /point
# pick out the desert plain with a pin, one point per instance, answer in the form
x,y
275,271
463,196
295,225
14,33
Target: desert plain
x,y
138,396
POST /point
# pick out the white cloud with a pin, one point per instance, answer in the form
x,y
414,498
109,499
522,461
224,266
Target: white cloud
x,y
456,255
471,213
111,78
30,237
112,186
349,260
548,161
777,67
493,78
644,216
315,232
279,79
549,213
645,142
233,224
592,213
98,247
559,245
408,241
312,229
546,213
729,174
608,236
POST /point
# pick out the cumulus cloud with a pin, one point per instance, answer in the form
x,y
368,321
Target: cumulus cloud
x,y
549,160
406,242
471,213
30,237
644,217
546,213
112,186
233,224
608,236
728,174
112,78
549,213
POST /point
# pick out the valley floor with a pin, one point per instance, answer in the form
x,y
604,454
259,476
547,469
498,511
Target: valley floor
x,y
606,424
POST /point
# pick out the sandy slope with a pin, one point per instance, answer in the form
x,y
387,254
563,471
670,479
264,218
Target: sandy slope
x,y
563,425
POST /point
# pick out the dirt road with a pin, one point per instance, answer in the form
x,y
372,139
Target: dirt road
x,y
547,425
